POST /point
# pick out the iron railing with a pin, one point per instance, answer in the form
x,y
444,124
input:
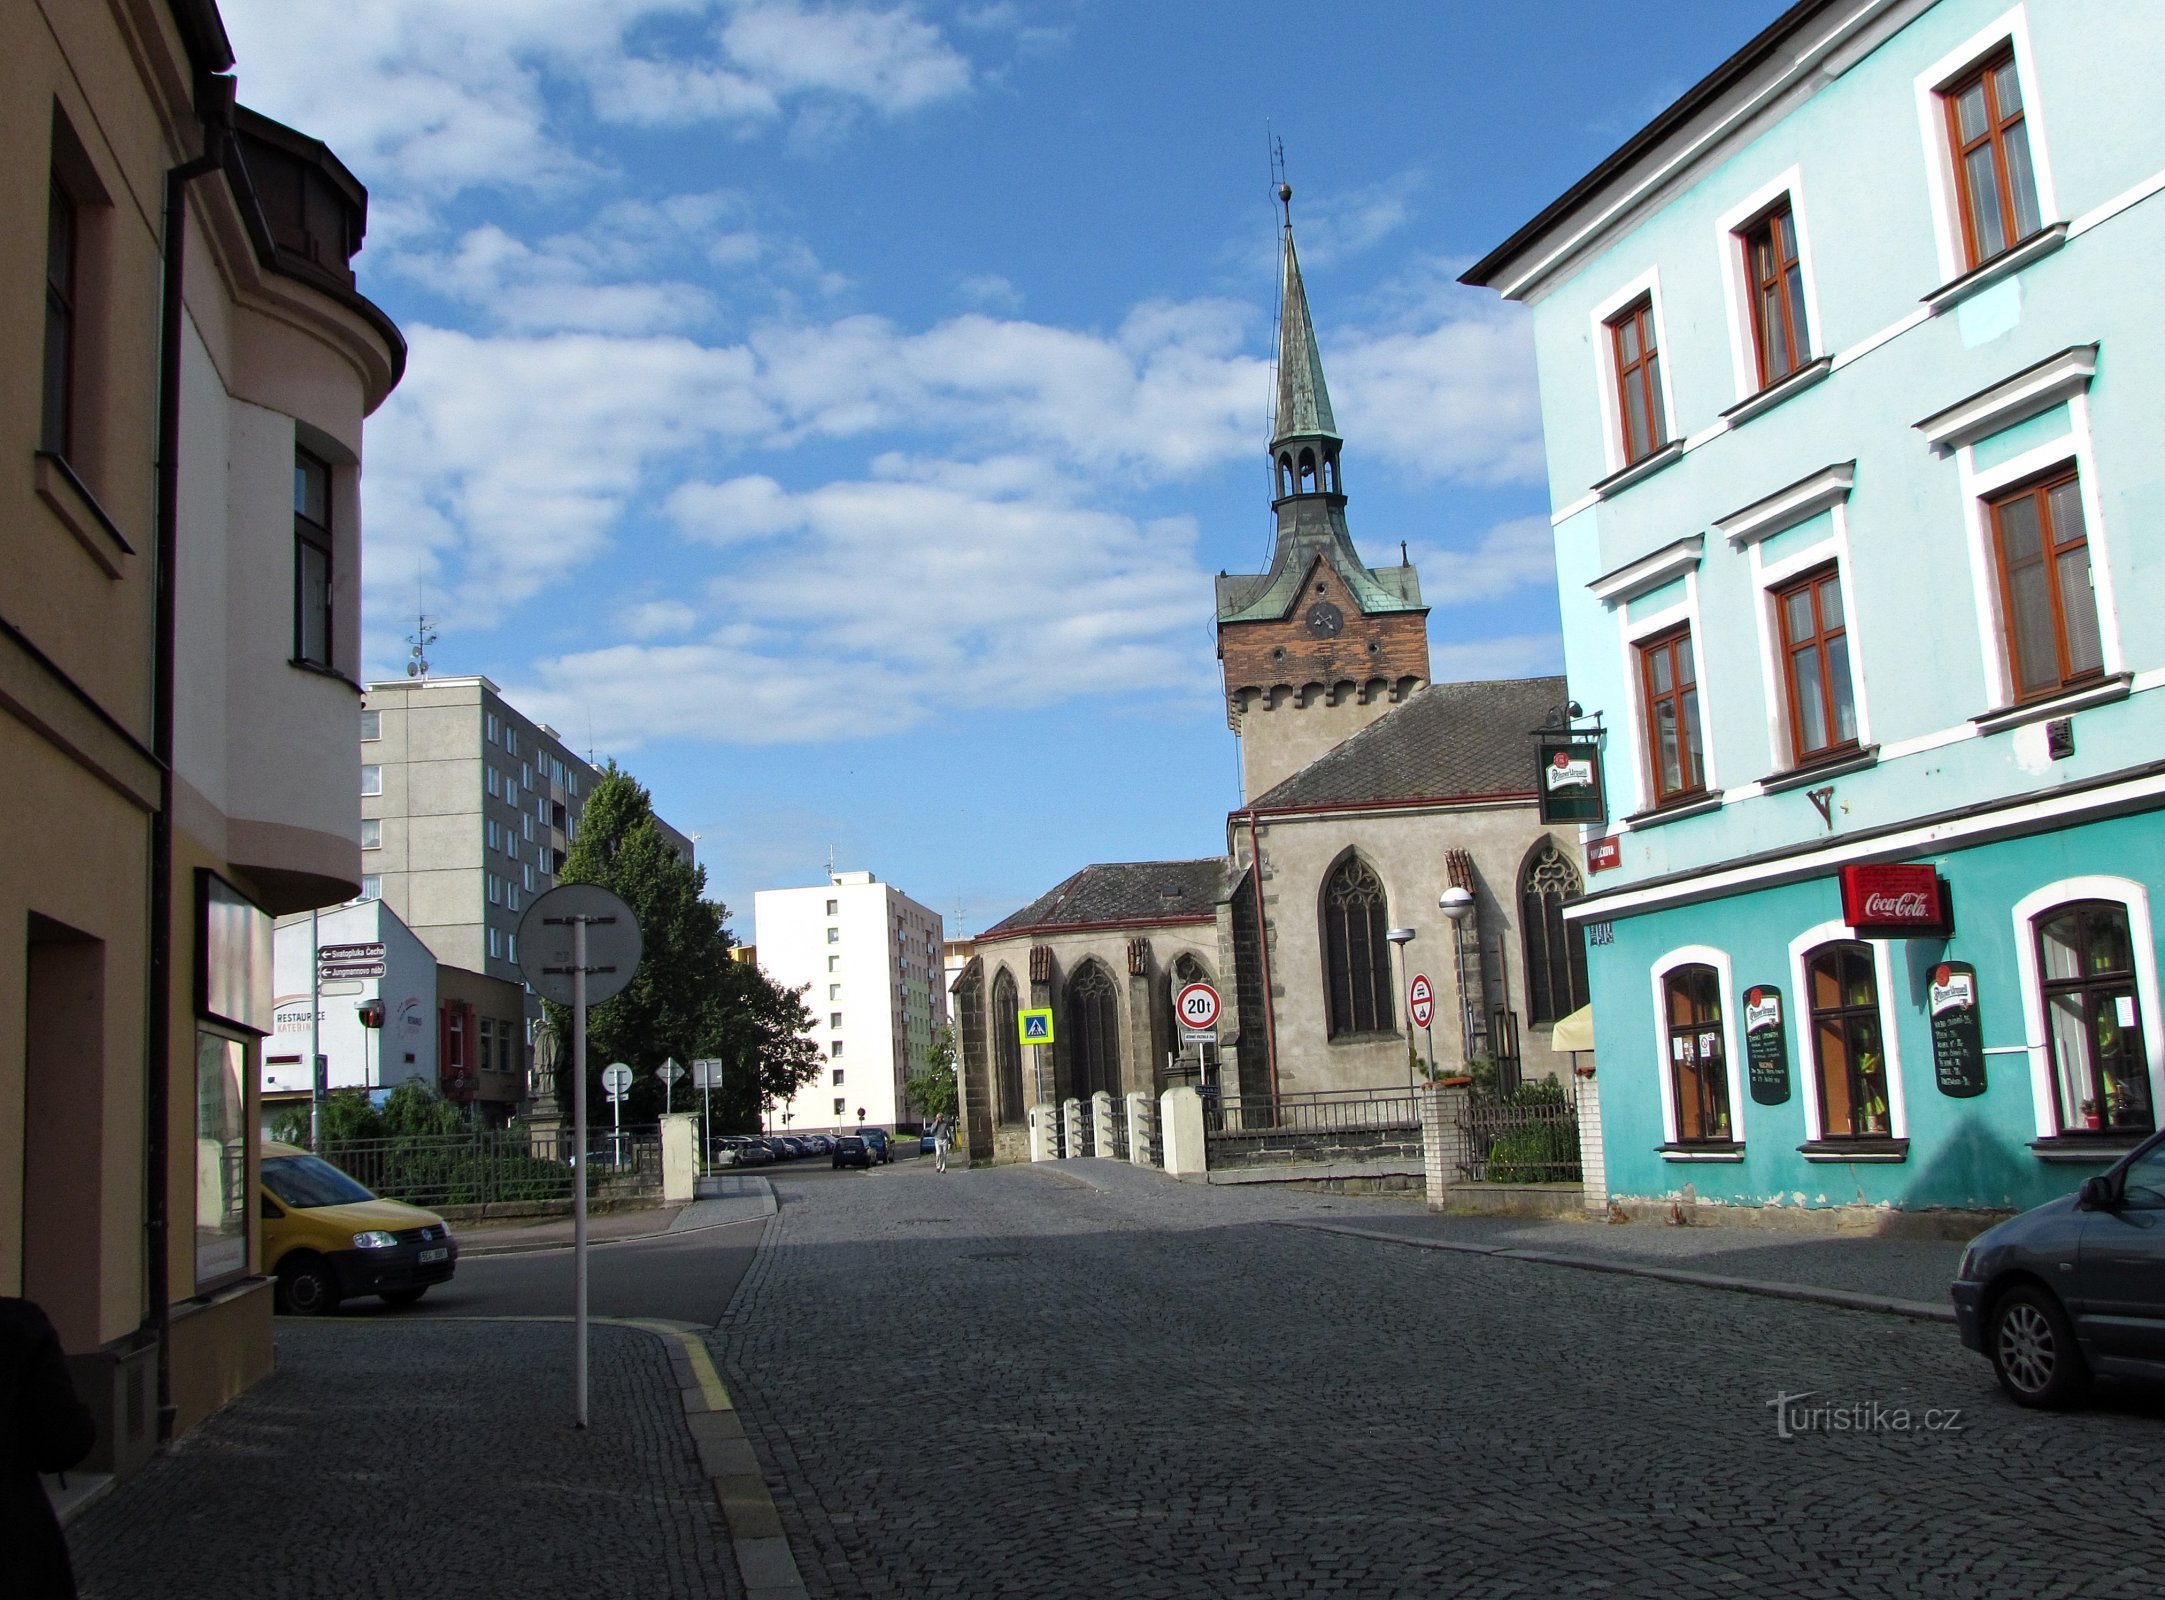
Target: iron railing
x,y
489,1166
1527,1137
1115,1129
1314,1125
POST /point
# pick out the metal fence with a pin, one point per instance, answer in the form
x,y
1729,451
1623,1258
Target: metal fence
x,y
1531,1136
1317,1125
1115,1130
489,1166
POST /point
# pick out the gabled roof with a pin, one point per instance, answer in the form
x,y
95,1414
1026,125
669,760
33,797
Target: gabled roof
x,y
1450,741
1118,892
1269,596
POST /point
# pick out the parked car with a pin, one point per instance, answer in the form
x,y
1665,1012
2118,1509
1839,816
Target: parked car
x,y
752,1153
819,1144
2074,1288
877,1144
927,1145
851,1151
787,1147
326,1238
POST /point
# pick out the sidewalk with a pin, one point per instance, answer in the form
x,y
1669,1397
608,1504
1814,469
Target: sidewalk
x,y
725,1198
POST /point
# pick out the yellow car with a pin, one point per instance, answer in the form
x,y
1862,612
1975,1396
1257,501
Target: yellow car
x,y
327,1239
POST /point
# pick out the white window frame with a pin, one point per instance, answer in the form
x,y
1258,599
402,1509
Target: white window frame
x,y
1768,576
1737,292
1635,633
1646,286
2036,1040
371,719
495,887
371,833
496,944
371,780
491,728
490,781
494,835
1800,1023
1691,955
371,886
2012,28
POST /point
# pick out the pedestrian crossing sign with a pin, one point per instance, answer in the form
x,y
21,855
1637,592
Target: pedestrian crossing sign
x,y
1036,1026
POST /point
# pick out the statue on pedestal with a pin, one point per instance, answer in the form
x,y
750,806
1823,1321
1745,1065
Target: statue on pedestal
x,y
542,1113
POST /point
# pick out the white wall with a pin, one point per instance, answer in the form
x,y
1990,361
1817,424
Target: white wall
x,y
360,1057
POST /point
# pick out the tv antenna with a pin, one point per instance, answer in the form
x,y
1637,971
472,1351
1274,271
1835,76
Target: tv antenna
x,y
420,639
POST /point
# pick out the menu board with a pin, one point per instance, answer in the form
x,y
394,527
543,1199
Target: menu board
x,y
1766,1044
1958,1035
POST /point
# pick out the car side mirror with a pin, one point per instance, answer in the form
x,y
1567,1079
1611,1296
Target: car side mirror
x,y
2096,1194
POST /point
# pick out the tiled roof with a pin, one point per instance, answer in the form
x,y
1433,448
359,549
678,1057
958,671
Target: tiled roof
x,y
1123,891
1450,741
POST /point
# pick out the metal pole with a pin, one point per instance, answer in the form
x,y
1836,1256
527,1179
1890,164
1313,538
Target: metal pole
x,y
316,1073
706,1116
1429,1033
1465,1003
1403,982
578,1134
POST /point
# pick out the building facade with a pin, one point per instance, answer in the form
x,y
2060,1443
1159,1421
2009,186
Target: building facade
x,y
190,364
868,962
1850,383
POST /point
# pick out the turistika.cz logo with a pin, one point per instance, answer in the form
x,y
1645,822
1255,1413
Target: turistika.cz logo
x,y
1796,1416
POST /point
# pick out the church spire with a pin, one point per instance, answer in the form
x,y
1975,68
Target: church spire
x,y
1304,403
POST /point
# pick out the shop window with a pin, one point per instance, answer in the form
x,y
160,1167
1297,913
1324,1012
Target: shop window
x,y
1356,955
1849,1055
1698,1057
2093,1019
221,1159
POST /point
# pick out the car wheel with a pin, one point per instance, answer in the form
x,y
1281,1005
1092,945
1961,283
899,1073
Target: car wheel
x,y
403,1297
2033,1349
306,1286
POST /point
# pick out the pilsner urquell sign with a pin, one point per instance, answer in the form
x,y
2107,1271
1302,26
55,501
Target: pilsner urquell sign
x,y
1896,900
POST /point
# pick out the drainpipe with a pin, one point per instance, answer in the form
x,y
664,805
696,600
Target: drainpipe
x,y
214,99
1262,940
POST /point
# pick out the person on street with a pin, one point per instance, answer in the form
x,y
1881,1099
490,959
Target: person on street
x,y
43,1428
942,1130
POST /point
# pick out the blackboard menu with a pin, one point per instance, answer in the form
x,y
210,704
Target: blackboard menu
x,y
1958,1035
1766,1044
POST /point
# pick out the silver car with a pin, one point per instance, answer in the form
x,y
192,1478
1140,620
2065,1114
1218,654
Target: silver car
x,y
2074,1288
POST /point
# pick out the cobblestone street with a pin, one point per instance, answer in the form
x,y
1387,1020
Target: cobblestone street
x,y
1006,1382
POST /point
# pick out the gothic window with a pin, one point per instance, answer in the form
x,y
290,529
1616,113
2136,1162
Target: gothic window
x,y
1007,1045
1356,956
1555,951
1092,1030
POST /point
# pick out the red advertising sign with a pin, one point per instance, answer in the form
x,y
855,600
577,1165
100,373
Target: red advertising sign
x,y
1602,854
1896,900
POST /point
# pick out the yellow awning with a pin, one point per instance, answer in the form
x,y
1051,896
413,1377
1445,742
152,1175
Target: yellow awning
x,y
1575,1032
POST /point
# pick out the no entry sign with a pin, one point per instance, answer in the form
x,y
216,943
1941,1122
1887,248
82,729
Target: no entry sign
x,y
1421,1000
1197,1004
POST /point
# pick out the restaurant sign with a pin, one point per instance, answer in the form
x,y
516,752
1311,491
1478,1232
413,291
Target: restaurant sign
x,y
1570,781
1896,900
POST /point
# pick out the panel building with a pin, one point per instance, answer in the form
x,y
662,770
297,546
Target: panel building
x,y
869,961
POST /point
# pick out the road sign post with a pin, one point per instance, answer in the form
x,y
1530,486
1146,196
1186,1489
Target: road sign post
x,y
1421,1002
668,1072
616,1080
1035,1027
577,944
706,1073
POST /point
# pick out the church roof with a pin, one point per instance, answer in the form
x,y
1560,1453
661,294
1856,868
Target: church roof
x,y
1269,596
1450,741
1304,403
1122,892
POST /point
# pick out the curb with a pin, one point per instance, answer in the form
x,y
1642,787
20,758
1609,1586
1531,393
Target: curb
x,y
480,1251
1845,1299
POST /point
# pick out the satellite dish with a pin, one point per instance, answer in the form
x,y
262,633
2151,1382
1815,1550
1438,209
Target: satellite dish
x,y
413,669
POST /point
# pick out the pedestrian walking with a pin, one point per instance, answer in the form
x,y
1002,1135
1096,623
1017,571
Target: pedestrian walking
x,y
43,1428
943,1129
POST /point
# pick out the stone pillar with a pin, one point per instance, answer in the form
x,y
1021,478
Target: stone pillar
x,y
1593,1165
1139,1110
1185,1153
1440,1140
1043,1146
680,1157
1101,1120
1071,1125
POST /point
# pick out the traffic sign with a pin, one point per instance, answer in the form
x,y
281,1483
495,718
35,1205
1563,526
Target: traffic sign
x,y
336,953
1422,1000
546,934
1035,1026
1198,1035
336,972
707,1073
616,1078
1197,1007
669,1071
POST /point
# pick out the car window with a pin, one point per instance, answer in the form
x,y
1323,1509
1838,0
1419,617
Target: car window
x,y
2143,1184
305,1181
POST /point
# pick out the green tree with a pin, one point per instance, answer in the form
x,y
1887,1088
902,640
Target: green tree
x,y
689,998
932,1088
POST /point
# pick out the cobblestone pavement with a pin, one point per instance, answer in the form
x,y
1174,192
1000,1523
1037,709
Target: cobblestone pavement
x,y
427,1461
1002,1382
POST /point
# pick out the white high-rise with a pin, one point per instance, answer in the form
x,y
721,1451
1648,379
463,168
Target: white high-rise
x,y
867,958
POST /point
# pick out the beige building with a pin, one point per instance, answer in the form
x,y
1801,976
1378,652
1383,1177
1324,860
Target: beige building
x,y
189,365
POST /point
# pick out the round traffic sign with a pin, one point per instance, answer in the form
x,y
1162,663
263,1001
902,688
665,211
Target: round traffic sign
x,y
613,944
616,1077
1421,1000
1197,1006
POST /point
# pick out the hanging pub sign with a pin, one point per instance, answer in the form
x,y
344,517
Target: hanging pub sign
x,y
1569,780
1896,900
1958,1035
1766,1044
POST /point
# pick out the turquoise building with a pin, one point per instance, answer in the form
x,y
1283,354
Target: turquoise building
x,y
1852,372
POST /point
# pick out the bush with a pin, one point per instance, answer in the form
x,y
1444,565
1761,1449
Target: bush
x,y
1539,1152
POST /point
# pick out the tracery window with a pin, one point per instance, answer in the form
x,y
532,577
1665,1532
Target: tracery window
x,y
1356,955
1092,1030
1007,1045
1555,951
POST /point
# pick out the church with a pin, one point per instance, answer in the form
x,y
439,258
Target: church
x,y
1370,792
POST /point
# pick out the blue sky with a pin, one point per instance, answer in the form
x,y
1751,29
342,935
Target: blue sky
x,y
837,411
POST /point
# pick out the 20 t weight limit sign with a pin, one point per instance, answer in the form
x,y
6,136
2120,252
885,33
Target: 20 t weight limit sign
x,y
1197,1007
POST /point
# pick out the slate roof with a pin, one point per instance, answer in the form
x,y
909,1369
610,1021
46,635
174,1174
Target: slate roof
x,y
1451,741
1122,891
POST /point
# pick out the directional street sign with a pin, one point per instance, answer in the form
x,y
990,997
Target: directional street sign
x,y
1421,1000
335,973
335,954
616,1078
707,1073
1035,1026
1197,1007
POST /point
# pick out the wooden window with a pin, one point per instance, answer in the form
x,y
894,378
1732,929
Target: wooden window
x,y
2047,609
57,424
1092,1031
1638,380
1356,955
1776,278
1669,690
2093,1019
1848,1055
1995,185
1698,1058
1555,951
311,560
1815,666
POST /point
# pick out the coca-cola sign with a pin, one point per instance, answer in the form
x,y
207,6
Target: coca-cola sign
x,y
1896,899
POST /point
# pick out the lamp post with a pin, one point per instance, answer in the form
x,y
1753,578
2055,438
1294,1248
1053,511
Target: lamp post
x,y
1457,904
1401,937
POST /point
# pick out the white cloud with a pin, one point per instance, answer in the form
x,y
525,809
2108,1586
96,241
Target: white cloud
x,y
988,291
1517,655
1333,227
655,619
554,285
1515,555
887,59
1452,398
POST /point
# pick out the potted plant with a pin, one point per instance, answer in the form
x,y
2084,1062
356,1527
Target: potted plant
x,y
2090,1118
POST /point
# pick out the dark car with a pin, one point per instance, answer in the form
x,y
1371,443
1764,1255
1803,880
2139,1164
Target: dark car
x,y
2073,1288
850,1151
876,1142
820,1144
788,1147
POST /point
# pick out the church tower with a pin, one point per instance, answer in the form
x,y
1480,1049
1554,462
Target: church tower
x,y
1319,646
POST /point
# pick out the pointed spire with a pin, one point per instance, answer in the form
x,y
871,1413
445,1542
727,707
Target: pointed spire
x,y
1304,404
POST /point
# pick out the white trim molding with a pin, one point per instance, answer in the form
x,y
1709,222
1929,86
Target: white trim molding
x,y
1649,572
1786,507
2015,398
1800,1017
2012,29
1689,955
2123,891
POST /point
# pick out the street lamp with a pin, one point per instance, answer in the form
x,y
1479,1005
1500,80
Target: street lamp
x,y
1402,937
1457,904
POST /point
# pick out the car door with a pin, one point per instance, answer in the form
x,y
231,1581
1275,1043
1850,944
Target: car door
x,y
2123,1266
